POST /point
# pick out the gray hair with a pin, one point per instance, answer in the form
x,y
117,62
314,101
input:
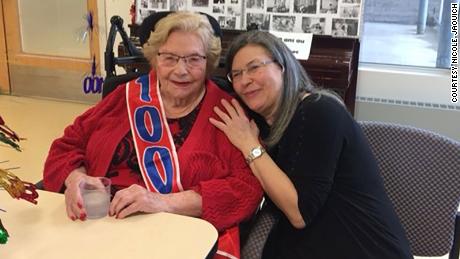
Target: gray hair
x,y
186,22
295,81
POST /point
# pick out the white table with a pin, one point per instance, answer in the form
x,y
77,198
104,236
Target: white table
x,y
44,231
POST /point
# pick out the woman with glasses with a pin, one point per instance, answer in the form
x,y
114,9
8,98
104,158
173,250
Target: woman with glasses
x,y
325,196
152,138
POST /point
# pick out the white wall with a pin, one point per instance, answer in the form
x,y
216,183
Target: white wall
x,y
404,83
413,96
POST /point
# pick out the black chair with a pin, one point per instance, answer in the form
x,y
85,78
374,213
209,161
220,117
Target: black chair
x,y
135,56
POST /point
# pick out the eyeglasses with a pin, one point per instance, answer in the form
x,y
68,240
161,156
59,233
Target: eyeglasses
x,y
170,60
252,68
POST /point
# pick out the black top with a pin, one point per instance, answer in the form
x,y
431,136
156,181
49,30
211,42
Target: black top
x,y
341,194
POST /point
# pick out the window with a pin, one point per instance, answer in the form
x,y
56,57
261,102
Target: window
x,y
389,34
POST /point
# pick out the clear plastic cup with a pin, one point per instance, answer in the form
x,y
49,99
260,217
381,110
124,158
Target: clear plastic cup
x,y
96,197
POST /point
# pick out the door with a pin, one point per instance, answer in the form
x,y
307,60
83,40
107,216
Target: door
x,y
48,52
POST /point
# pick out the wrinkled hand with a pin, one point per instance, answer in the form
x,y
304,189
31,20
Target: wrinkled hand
x,y
73,198
242,132
136,199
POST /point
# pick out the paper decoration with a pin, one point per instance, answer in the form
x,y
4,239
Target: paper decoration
x,y
3,234
8,136
17,188
93,83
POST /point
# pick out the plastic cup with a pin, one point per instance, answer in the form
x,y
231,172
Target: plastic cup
x,y
96,197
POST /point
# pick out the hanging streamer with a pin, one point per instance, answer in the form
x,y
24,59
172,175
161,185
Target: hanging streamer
x,y
93,83
87,29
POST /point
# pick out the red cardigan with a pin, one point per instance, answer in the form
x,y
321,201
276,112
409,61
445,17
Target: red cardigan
x,y
209,163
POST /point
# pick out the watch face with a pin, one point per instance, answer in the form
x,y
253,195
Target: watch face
x,y
257,152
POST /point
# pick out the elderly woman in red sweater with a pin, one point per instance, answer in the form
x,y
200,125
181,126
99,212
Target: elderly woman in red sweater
x,y
163,116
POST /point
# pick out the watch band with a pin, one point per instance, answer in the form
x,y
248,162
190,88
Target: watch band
x,y
254,154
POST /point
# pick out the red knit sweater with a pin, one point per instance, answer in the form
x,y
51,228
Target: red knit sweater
x,y
210,164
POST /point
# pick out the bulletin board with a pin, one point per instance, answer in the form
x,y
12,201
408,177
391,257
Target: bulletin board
x,y
338,18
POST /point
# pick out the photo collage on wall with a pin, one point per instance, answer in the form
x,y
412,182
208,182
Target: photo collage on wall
x,y
339,18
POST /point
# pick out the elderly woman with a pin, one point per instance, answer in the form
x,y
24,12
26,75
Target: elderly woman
x,y
164,116
325,191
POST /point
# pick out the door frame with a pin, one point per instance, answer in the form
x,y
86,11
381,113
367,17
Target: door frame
x,y
4,74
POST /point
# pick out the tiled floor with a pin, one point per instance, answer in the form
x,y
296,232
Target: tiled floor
x,y
40,121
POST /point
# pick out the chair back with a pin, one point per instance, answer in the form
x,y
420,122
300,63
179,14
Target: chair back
x,y
421,173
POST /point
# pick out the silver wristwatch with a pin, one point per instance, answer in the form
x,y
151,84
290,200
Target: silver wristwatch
x,y
254,154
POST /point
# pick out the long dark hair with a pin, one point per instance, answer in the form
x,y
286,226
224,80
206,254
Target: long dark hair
x,y
295,80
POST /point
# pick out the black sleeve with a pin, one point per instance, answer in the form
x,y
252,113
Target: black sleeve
x,y
315,138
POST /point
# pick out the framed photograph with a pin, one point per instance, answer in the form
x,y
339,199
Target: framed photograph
x,y
328,6
305,6
344,27
200,3
278,6
255,4
227,22
178,5
315,25
349,11
233,10
220,9
283,23
158,4
258,20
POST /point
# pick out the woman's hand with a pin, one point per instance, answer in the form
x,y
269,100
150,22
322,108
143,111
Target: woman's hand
x,y
242,132
136,199
73,198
